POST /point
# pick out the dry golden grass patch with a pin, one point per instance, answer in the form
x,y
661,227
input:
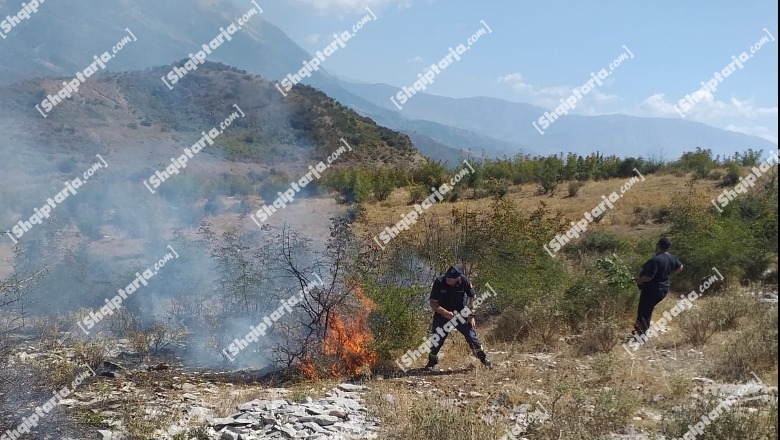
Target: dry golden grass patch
x,y
655,191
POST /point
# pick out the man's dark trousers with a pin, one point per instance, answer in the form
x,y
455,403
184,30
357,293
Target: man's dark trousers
x,y
465,329
648,299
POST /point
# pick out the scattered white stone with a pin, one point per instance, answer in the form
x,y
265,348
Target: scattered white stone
x,y
339,415
348,387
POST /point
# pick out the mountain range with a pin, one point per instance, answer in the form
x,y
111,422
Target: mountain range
x,y
442,128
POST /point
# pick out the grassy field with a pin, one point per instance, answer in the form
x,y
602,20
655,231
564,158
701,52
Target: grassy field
x,y
589,395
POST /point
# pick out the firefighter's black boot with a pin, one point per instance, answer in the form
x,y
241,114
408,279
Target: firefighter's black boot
x,y
432,361
484,359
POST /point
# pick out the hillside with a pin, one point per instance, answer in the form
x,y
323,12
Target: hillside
x,y
276,130
169,31
136,124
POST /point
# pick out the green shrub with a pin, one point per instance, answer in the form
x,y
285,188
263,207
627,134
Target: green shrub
x,y
496,187
589,296
418,193
397,324
597,243
731,176
383,186
431,174
703,238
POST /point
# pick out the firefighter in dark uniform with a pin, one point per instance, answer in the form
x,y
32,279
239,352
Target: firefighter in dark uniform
x,y
653,282
450,294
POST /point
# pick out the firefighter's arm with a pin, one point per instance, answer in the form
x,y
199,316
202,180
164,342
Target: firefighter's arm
x,y
441,310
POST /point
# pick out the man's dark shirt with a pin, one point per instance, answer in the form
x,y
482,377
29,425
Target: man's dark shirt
x,y
660,267
453,298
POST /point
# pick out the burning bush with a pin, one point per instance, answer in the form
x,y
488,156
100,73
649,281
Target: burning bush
x,y
346,347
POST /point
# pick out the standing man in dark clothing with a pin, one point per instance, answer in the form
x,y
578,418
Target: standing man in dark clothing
x,y
653,281
450,295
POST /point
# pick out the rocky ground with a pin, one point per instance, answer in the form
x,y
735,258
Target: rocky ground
x,y
132,398
518,408
170,403
338,415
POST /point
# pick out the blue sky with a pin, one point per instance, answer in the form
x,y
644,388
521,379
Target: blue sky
x,y
538,52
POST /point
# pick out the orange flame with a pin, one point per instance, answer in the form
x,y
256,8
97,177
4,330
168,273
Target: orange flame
x,y
347,342
307,368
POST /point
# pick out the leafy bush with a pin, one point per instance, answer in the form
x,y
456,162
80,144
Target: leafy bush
x,y
549,175
589,296
418,193
597,243
616,272
699,162
397,324
431,174
496,187
702,239
383,187
731,177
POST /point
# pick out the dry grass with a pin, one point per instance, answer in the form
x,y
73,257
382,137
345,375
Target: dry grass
x,y
656,190
617,391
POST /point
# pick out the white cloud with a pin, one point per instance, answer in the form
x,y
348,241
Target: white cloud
x,y
714,112
656,106
515,81
708,109
313,39
415,60
754,130
549,97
